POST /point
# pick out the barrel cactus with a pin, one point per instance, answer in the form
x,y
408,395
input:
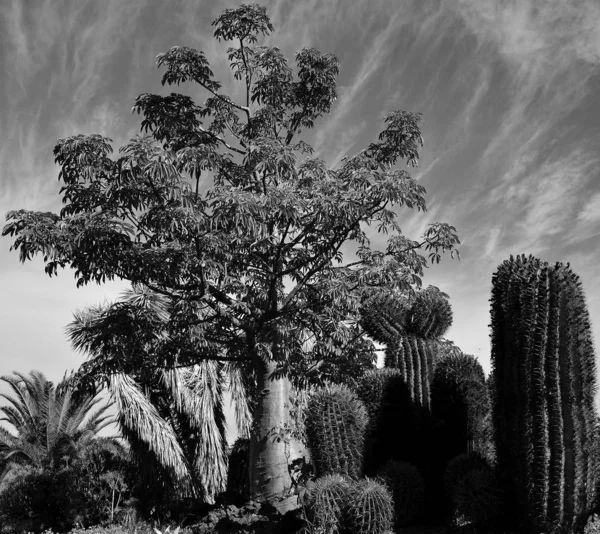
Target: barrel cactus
x,y
460,399
544,385
387,400
336,421
371,509
408,490
327,503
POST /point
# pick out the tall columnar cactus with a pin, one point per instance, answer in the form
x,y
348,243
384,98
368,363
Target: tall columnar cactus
x,y
545,380
415,358
460,402
336,421
389,405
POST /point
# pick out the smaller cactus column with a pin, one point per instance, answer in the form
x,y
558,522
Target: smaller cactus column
x,y
460,401
389,405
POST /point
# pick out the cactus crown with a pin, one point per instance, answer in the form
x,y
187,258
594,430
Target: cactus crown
x,y
430,315
385,317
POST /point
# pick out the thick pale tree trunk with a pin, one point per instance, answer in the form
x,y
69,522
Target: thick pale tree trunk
x,y
269,459
269,476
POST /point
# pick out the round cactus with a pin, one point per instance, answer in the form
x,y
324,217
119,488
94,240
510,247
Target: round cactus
x,y
336,421
384,316
371,509
327,503
408,490
430,315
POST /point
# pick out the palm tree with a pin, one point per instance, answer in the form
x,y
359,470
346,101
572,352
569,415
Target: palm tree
x,y
172,415
49,425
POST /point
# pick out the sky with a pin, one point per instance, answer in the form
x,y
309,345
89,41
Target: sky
x,y
508,90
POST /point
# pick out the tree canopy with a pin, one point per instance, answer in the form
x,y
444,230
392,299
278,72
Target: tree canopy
x,y
224,209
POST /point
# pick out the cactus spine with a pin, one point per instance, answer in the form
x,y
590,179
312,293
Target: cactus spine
x,y
336,421
545,380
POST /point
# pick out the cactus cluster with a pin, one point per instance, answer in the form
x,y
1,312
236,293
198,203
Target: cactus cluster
x,y
328,501
544,386
522,444
410,330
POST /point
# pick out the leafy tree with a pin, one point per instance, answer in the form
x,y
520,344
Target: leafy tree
x,y
225,210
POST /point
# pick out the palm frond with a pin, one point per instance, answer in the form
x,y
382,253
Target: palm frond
x,y
7,440
82,330
141,418
197,392
204,391
20,403
12,414
239,398
143,297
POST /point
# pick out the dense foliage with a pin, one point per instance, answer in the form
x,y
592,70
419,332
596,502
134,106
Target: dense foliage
x,y
224,209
